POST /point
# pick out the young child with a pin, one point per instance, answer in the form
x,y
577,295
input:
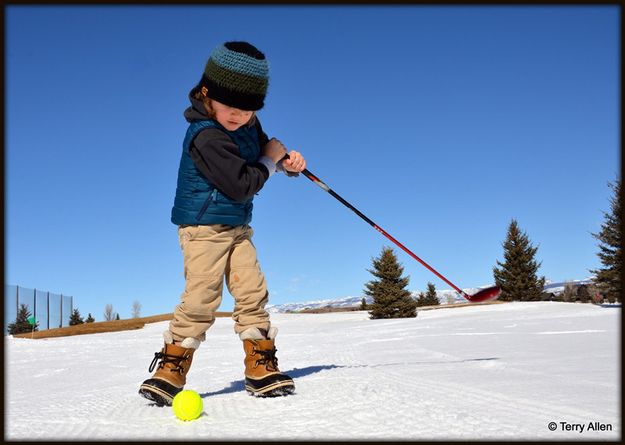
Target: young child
x,y
226,160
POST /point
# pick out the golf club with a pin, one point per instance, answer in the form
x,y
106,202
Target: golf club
x,y
486,294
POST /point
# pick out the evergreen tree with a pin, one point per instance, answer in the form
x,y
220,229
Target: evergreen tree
x,y
583,293
516,276
421,300
608,278
75,318
89,319
390,298
430,296
116,316
363,304
21,323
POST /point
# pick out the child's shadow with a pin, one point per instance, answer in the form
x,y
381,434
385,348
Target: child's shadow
x,y
239,385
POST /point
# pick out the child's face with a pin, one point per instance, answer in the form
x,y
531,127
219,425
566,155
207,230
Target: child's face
x,y
231,118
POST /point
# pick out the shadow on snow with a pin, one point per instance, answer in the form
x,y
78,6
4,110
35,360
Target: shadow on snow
x,y
239,385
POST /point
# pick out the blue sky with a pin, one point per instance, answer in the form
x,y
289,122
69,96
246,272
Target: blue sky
x,y
441,124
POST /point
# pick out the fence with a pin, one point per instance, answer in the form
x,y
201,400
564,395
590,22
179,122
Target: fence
x,y
49,309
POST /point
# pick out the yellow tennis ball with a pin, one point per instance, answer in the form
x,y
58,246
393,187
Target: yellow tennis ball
x,y
187,405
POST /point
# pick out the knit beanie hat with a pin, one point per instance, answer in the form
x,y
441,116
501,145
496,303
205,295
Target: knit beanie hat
x,y
237,75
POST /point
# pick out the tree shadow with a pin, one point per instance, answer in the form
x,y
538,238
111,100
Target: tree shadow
x,y
239,385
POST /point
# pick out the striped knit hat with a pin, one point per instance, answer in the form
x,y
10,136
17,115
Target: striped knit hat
x,y
237,75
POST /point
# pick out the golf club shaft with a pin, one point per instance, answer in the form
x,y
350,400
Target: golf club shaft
x,y
321,184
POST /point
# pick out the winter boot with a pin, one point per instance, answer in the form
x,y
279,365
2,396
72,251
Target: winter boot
x,y
262,376
171,373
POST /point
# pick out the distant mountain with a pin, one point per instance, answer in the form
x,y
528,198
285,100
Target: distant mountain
x,y
294,307
444,296
558,287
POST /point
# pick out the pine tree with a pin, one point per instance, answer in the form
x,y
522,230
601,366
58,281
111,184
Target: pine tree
x,y
21,323
75,318
430,296
421,301
363,304
89,319
608,278
390,298
583,293
516,276
116,316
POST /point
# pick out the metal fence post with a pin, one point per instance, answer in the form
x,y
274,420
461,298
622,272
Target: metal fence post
x,y
47,305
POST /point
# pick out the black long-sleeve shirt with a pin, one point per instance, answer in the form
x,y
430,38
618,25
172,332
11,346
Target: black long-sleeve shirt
x,y
217,157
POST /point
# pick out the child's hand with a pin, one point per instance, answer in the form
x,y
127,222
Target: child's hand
x,y
295,162
274,149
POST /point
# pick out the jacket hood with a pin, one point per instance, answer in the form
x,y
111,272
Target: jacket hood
x,y
196,111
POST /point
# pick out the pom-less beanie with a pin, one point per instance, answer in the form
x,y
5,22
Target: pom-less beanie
x,y
237,75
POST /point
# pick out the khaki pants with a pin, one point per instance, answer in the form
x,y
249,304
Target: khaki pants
x,y
210,253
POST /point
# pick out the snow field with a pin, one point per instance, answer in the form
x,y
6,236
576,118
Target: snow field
x,y
481,372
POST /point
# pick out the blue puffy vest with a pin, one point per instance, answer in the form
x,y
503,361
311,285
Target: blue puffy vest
x,y
197,200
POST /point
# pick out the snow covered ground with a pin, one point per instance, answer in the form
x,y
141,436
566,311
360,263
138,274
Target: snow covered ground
x,y
481,372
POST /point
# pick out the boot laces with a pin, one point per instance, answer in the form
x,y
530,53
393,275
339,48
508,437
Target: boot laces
x,y
167,358
268,359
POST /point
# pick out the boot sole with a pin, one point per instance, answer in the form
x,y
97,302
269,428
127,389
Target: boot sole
x,y
159,391
278,392
272,389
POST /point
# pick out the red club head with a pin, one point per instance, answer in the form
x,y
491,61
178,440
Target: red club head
x,y
490,293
